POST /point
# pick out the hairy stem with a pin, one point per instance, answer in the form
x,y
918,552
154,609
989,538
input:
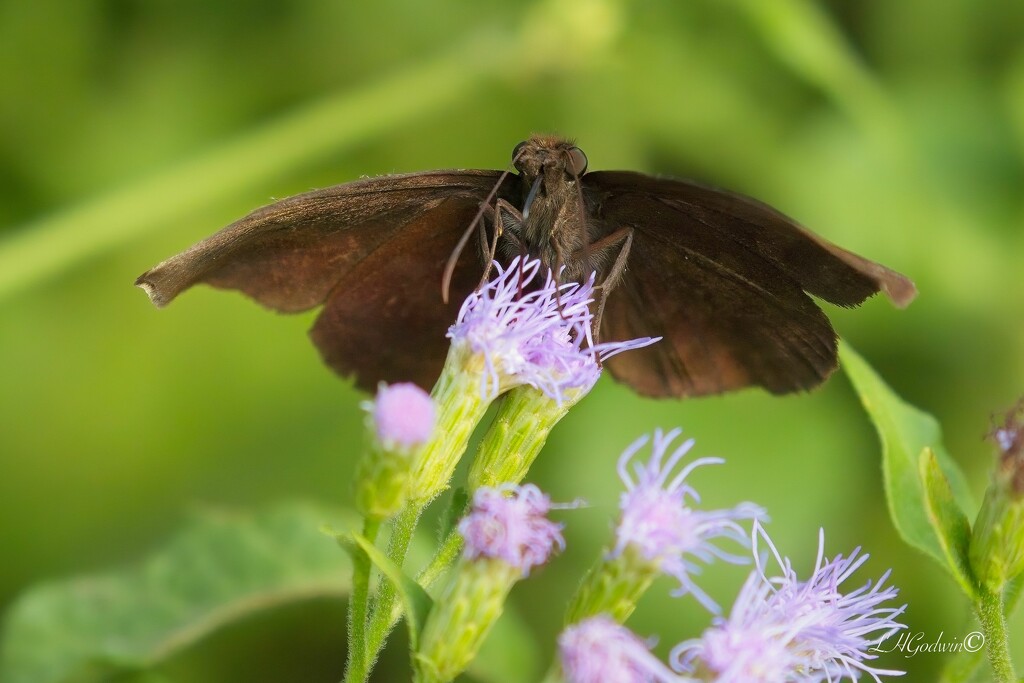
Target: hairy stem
x,y
356,667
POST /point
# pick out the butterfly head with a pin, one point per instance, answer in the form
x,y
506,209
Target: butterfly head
x,y
549,157
548,165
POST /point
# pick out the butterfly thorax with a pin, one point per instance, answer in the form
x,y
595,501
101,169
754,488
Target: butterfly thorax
x,y
552,226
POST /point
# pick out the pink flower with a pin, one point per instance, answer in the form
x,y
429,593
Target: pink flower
x,y
659,522
535,336
510,524
403,415
599,650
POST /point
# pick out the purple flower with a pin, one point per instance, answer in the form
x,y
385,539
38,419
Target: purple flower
x,y
658,522
782,629
599,650
403,415
541,337
513,528
1009,436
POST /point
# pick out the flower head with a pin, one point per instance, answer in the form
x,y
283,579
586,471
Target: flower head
x,y
1009,437
658,522
599,650
784,629
510,524
996,551
535,335
403,415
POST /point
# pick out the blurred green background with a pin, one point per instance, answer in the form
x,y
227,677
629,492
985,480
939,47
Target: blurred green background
x,y
131,129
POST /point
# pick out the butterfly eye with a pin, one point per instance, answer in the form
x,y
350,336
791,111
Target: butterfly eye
x,y
517,151
577,161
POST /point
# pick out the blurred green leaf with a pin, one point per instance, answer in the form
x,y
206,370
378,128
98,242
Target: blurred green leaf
x,y
952,529
219,569
803,36
509,654
1011,595
905,432
963,666
312,133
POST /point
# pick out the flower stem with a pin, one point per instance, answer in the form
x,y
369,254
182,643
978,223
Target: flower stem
x,y
380,622
355,669
443,558
989,607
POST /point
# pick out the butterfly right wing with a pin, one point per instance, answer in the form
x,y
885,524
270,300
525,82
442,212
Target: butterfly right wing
x,y
724,280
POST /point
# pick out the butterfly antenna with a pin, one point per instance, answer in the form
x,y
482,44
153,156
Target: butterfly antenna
x,y
558,289
449,268
583,225
522,260
492,249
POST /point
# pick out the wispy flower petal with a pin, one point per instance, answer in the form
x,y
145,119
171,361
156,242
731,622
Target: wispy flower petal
x,y
660,523
783,630
599,650
535,335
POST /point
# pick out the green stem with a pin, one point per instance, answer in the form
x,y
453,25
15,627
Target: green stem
x,y
442,560
989,607
804,38
380,622
355,668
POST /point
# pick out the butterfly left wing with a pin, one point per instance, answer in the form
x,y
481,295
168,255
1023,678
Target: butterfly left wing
x,y
722,278
384,320
372,251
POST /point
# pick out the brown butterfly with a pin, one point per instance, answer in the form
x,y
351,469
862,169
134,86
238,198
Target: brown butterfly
x,y
722,277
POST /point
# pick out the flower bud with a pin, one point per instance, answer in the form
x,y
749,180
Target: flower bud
x,y
519,431
400,420
507,534
403,416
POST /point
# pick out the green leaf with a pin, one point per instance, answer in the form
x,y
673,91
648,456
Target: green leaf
x,y
952,529
905,432
417,602
219,569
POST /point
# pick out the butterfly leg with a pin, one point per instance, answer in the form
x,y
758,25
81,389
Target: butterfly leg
x,y
500,214
623,239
